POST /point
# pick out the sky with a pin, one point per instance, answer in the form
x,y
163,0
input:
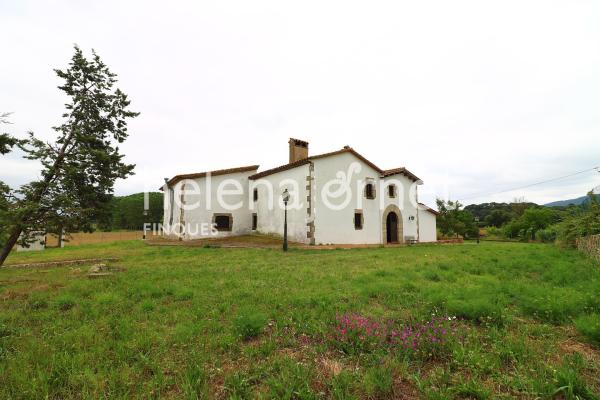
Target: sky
x,y
474,97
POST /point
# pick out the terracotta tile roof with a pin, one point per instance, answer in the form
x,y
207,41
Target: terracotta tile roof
x,y
298,163
218,172
431,210
284,167
401,170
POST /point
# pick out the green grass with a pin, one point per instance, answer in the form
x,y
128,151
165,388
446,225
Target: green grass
x,y
193,322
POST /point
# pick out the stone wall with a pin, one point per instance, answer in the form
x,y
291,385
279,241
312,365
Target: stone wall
x,y
590,245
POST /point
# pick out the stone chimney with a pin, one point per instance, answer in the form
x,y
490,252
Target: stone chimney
x,y
298,150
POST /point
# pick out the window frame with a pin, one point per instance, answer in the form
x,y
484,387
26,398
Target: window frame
x,y
373,194
392,194
229,216
362,220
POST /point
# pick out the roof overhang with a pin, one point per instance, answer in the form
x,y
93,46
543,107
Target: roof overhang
x,y
178,178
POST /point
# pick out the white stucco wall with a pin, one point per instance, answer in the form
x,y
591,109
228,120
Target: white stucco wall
x,y
271,218
406,202
199,208
427,225
38,243
337,225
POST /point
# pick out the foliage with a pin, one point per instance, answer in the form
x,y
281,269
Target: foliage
x,y
79,169
452,221
497,214
547,235
7,142
532,220
580,221
127,212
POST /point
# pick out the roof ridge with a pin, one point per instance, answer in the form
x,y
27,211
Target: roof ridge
x,y
284,167
215,172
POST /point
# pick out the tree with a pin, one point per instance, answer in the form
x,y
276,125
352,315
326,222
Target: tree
x,y
7,142
498,218
127,212
532,220
79,169
581,221
454,221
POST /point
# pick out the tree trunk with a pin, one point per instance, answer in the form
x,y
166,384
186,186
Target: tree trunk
x,y
10,243
60,237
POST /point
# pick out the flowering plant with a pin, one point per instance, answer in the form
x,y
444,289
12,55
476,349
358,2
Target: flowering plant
x,y
358,333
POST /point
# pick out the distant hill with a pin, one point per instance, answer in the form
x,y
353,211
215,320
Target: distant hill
x,y
565,203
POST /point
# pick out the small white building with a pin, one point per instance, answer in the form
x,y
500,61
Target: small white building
x,y
335,198
37,243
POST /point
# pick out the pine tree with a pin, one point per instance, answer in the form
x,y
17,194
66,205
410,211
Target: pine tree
x,y
79,169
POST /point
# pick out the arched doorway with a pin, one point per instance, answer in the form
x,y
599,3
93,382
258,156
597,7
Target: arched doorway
x,y
391,225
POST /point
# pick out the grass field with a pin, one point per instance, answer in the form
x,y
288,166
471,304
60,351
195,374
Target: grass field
x,y
183,322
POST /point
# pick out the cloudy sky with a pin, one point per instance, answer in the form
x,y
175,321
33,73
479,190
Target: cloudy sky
x,y
475,97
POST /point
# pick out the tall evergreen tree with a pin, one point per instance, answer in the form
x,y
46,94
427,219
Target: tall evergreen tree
x,y
79,169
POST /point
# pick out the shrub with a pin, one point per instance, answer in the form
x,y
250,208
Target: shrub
x,y
547,235
249,325
589,326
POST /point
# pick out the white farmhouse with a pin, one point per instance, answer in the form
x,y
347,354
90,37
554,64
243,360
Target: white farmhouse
x,y
335,198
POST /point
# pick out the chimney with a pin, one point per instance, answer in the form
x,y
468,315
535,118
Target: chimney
x,y
298,150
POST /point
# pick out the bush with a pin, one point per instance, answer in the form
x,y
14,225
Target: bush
x,y
589,327
249,325
547,235
493,231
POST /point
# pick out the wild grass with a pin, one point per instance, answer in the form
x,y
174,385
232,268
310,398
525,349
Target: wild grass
x,y
193,322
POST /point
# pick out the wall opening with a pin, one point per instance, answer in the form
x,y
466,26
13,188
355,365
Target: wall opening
x,y
223,222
